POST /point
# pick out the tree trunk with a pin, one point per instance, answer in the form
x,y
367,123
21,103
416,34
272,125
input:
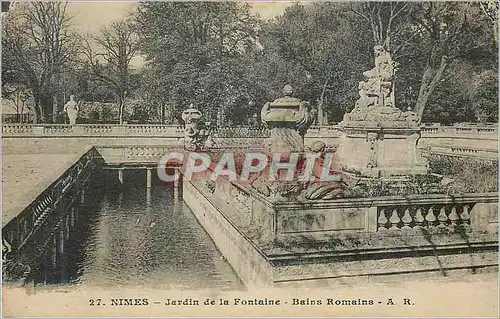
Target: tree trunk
x,y
45,108
122,103
54,110
37,110
162,116
428,84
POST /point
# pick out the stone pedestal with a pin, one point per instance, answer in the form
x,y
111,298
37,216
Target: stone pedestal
x,y
285,140
374,151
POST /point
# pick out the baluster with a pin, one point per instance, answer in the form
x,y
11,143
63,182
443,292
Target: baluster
x,y
430,217
395,220
453,217
406,219
419,218
36,211
382,220
442,217
465,216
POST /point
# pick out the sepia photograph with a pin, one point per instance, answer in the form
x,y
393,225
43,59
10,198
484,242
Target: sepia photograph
x,y
249,159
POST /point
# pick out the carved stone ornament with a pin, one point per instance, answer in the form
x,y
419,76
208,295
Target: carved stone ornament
x,y
288,118
195,134
376,97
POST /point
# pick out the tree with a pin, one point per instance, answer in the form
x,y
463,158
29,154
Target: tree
x,y
20,95
427,39
318,48
450,32
39,43
195,50
109,61
386,20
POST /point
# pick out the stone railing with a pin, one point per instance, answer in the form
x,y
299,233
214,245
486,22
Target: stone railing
x,y
461,151
389,213
52,130
329,131
18,230
428,130
459,140
438,211
429,216
464,131
144,155
241,131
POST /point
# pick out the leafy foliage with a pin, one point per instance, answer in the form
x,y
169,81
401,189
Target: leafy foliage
x,y
195,51
37,45
229,62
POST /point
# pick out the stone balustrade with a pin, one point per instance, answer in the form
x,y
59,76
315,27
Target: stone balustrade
x,y
18,230
243,131
425,216
127,154
471,131
462,151
56,130
17,129
392,213
479,141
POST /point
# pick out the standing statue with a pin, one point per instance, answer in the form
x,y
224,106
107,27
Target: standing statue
x,y
71,109
288,118
195,133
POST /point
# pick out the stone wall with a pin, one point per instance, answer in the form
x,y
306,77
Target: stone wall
x,y
62,139
472,141
340,241
246,258
321,218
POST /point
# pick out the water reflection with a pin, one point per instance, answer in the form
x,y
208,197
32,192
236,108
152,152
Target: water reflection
x,y
130,236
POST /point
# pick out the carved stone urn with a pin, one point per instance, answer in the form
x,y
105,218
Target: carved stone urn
x,y
288,119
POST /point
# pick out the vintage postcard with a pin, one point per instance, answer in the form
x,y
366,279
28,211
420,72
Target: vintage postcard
x,y
247,159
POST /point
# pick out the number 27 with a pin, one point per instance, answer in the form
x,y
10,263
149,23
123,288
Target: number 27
x,y
97,302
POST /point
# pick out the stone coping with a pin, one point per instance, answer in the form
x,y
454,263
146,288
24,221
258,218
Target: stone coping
x,y
35,190
424,199
427,199
386,127
381,244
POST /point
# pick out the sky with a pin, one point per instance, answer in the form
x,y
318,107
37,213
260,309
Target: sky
x,y
90,16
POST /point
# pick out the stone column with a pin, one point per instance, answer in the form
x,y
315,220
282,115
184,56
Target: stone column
x,y
120,175
148,177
